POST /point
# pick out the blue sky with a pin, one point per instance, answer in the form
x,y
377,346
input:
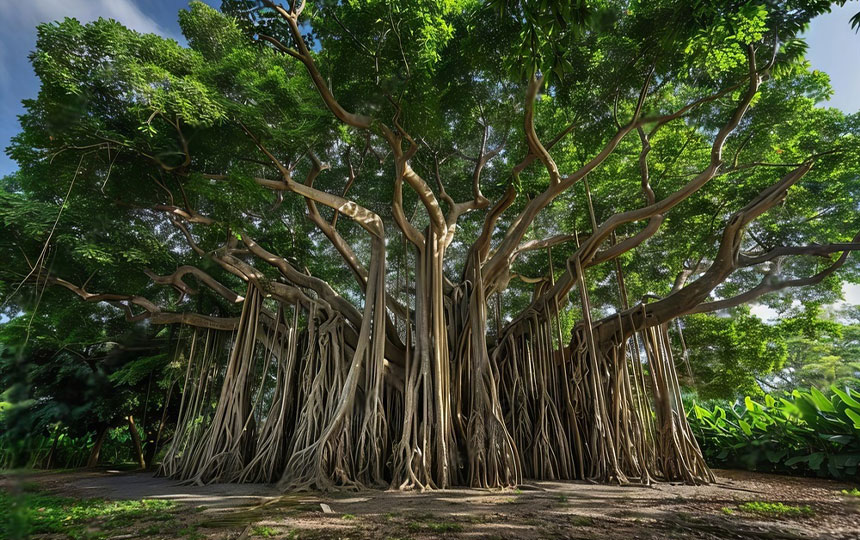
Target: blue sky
x,y
833,48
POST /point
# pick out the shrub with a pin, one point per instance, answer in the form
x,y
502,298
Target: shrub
x,y
806,433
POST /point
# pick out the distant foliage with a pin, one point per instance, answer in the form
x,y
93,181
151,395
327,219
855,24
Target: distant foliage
x,y
805,433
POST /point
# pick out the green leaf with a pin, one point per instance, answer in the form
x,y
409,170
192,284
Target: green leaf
x,y
821,400
769,401
775,456
855,417
795,460
815,460
702,413
839,439
846,398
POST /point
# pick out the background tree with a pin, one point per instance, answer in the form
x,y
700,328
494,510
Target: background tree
x,y
73,381
822,350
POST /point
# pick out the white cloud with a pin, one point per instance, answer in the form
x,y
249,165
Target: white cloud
x,y
29,13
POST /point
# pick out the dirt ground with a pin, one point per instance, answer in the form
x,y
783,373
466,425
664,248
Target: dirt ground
x,y
535,510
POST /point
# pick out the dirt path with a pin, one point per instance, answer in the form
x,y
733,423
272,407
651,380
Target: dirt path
x,y
537,510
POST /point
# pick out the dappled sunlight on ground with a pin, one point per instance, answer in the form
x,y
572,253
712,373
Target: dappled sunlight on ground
x,y
535,510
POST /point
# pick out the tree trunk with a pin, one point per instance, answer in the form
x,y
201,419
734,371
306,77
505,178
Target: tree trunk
x,y
97,447
135,437
49,460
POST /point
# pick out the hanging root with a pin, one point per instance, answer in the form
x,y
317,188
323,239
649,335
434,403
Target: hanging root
x,y
590,416
301,397
340,440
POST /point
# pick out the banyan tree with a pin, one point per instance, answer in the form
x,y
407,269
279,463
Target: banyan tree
x,y
422,244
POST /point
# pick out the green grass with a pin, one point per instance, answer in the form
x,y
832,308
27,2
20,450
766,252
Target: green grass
x,y
854,492
348,516
190,533
775,509
30,514
427,523
266,532
727,511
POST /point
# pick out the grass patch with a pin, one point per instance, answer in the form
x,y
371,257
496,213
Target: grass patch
x,y
563,498
727,511
581,521
348,516
191,533
33,513
854,492
428,523
775,509
266,532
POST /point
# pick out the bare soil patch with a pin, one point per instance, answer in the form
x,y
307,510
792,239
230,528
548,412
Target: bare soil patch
x,y
535,510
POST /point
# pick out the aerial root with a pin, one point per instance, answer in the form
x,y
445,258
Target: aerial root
x,y
294,403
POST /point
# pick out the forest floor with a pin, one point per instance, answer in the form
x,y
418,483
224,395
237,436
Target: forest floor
x,y
739,505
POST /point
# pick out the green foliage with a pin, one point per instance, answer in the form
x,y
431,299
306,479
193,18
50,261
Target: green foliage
x,y
739,355
265,531
728,355
134,371
821,353
775,509
81,371
27,514
802,433
740,28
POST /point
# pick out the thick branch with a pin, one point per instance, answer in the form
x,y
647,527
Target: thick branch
x,y
684,300
304,55
175,280
586,254
771,284
150,310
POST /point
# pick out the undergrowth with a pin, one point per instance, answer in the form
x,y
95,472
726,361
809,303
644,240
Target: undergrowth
x,y
29,514
775,509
